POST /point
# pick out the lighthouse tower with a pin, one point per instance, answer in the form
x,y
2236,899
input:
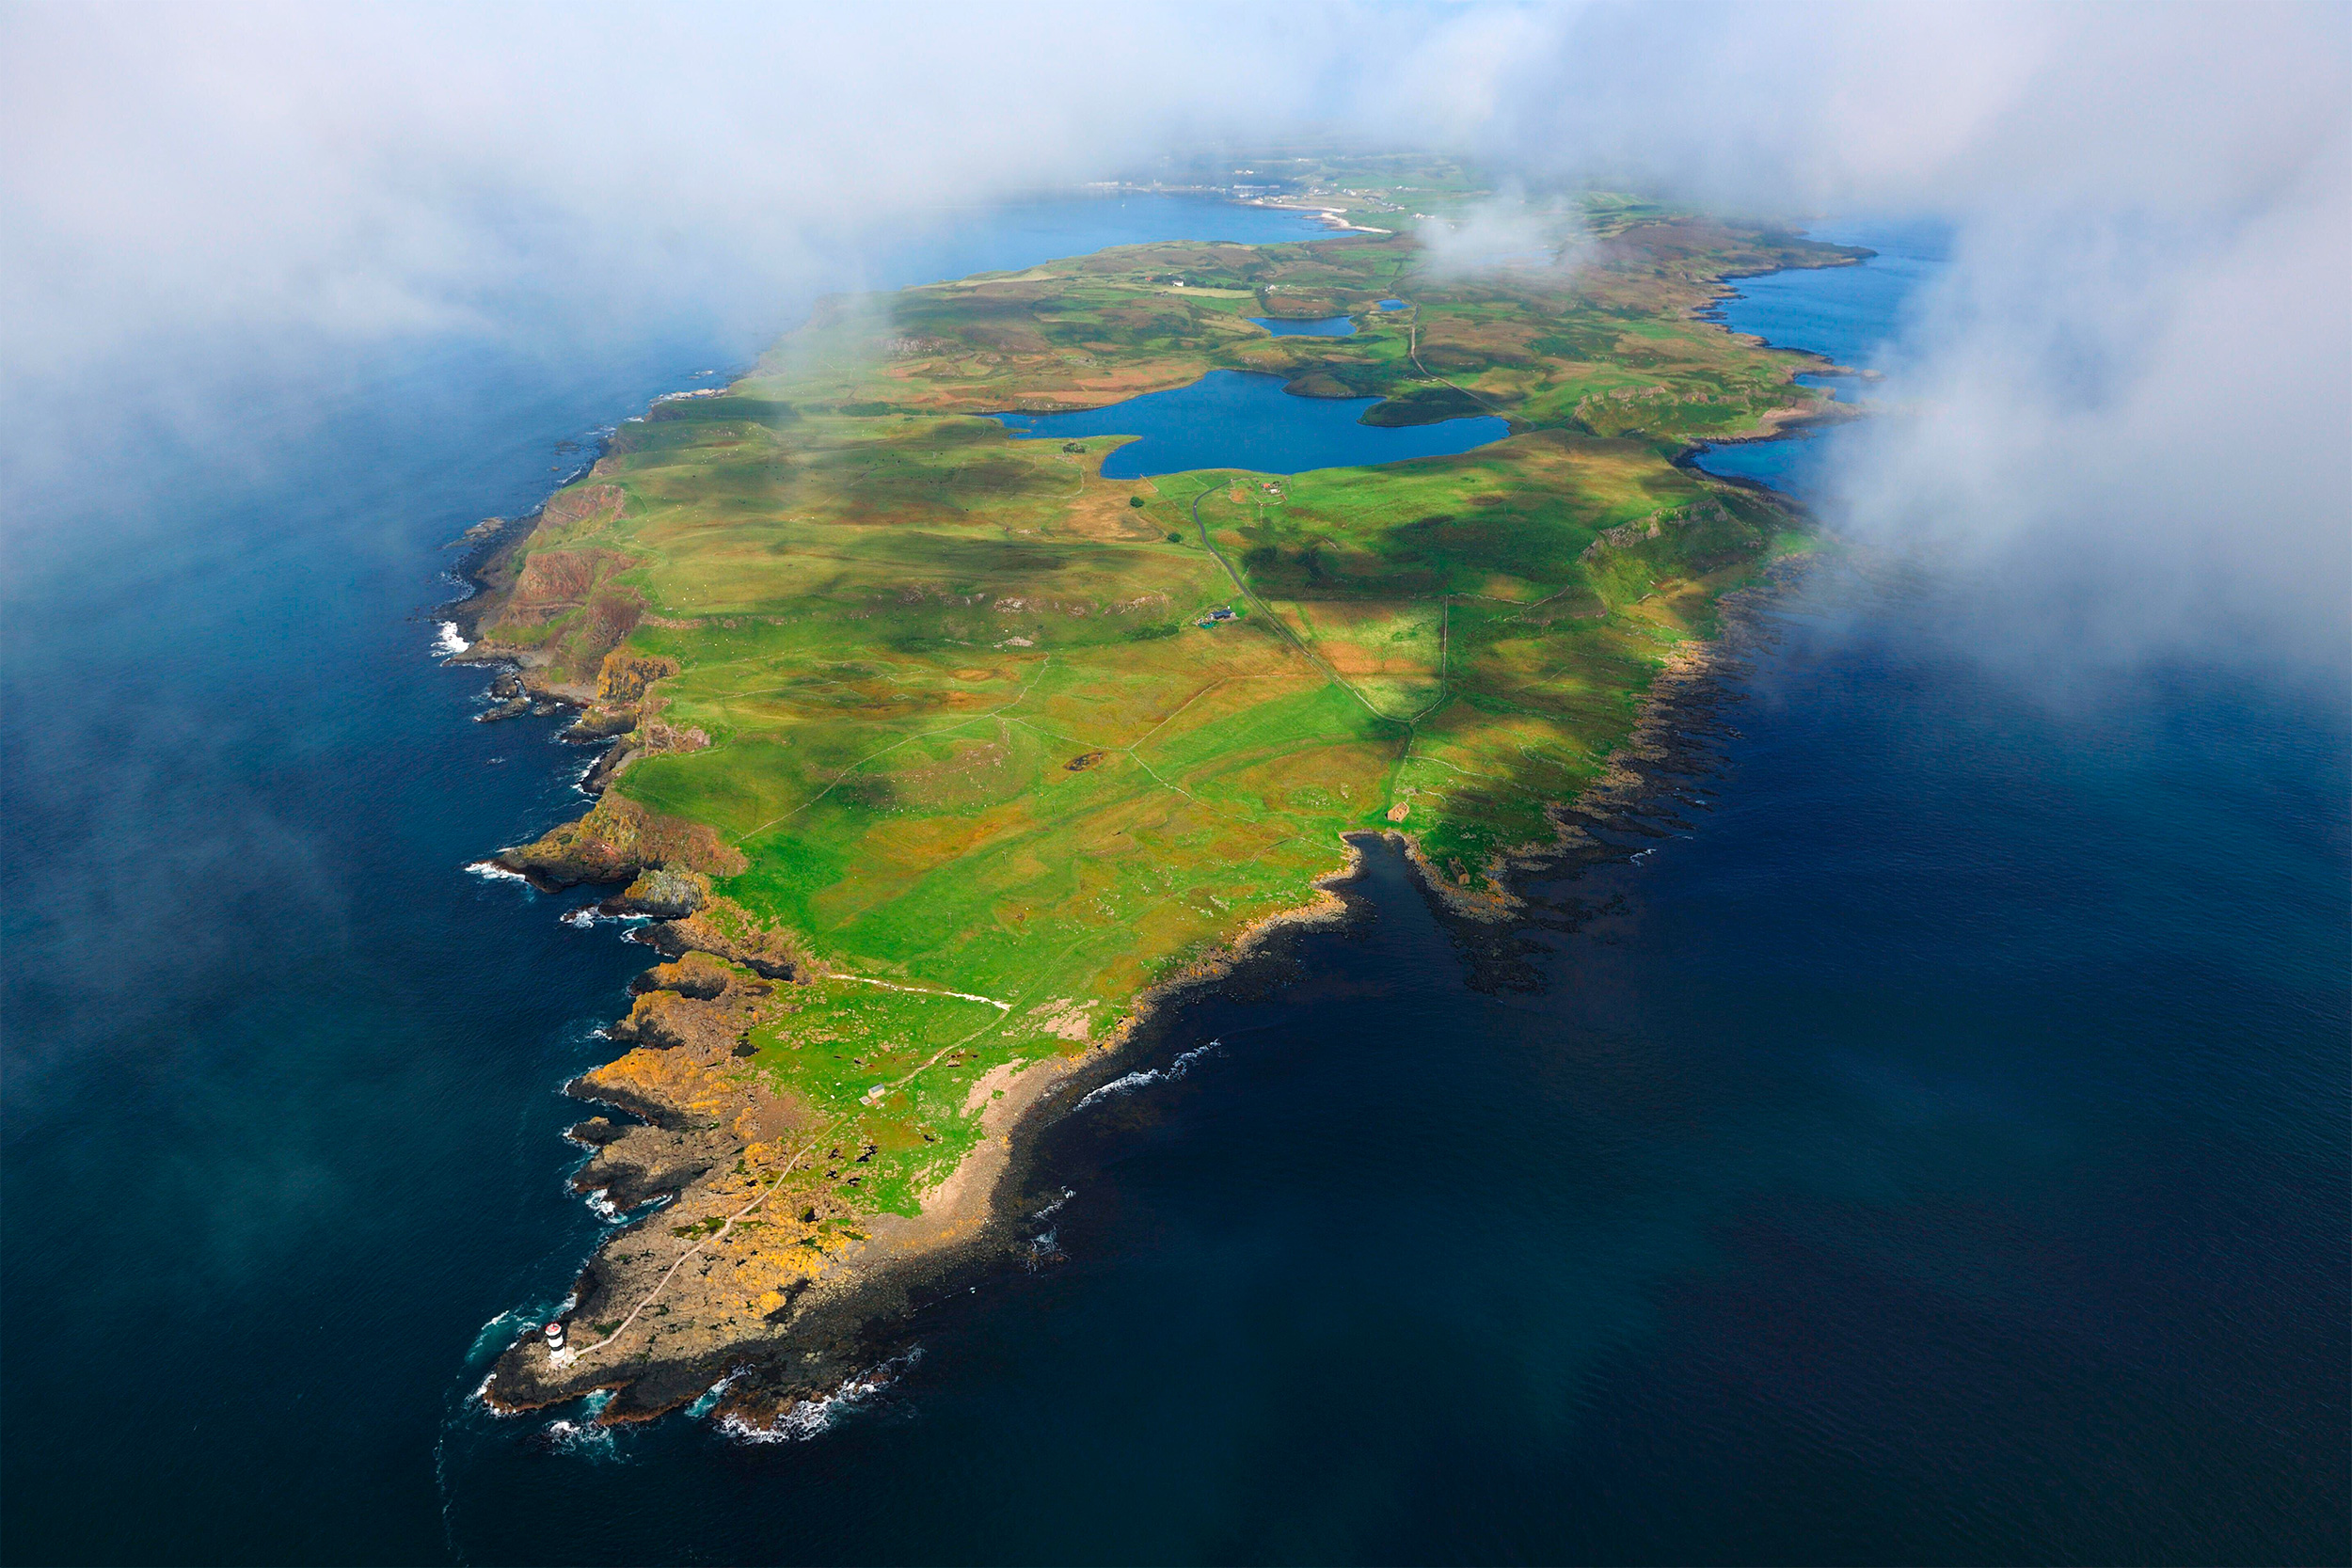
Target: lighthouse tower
x,y
554,1332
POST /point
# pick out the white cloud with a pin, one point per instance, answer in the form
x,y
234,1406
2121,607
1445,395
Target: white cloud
x,y
1507,231
2156,191
2132,436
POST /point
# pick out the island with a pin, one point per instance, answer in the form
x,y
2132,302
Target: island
x,y
940,757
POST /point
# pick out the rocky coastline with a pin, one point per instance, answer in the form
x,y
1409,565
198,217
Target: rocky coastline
x,y
748,1266
658,1137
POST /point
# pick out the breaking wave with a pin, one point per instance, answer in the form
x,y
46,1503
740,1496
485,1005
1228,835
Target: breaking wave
x,y
609,1212
494,1336
1044,1248
807,1418
587,1438
710,1396
1129,1083
587,915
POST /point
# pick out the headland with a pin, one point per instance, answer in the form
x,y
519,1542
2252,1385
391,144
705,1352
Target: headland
x,y
939,761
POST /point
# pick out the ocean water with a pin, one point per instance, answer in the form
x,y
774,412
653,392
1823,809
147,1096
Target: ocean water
x,y
1244,420
1852,316
1935,1149
280,1129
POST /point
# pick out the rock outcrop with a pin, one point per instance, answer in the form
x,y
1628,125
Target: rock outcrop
x,y
615,842
662,893
723,928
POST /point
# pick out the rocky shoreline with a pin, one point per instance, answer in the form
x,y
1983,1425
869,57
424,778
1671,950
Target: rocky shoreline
x,y
659,1137
836,1323
775,1286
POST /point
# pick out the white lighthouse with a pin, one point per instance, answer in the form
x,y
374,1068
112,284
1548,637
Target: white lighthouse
x,y
554,1331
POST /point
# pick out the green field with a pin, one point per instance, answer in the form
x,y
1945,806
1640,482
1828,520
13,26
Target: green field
x,y
938,700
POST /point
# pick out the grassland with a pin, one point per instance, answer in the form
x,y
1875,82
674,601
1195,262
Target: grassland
x,y
924,719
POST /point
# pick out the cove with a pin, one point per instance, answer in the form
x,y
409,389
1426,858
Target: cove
x,y
1243,419
1845,313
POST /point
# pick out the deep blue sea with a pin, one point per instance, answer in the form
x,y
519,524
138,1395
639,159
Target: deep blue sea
x,y
1937,1152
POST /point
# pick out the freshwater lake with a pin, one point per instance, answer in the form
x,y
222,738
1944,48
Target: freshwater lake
x,y
1244,420
1322,326
1935,1150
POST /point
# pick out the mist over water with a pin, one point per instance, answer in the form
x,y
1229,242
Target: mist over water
x,y
1934,1151
1853,317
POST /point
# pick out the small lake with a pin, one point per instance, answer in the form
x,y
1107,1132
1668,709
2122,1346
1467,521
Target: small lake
x,y
1326,326
1393,305
1244,420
